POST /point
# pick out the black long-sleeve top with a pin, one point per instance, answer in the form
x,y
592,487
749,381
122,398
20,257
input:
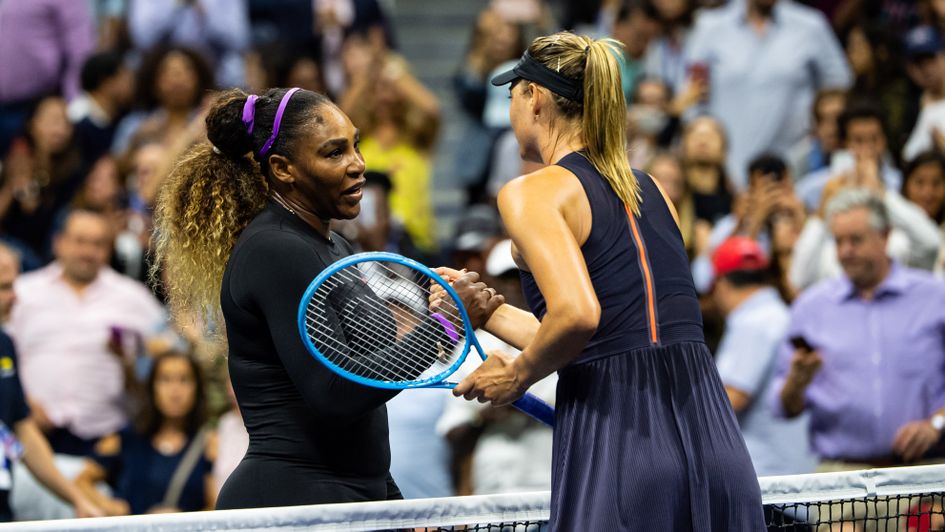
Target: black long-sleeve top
x,y
295,409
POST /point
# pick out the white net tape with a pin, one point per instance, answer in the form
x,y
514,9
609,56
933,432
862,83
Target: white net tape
x,y
508,509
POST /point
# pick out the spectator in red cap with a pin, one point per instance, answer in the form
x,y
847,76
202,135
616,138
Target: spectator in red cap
x,y
756,322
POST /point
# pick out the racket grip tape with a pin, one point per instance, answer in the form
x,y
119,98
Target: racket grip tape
x,y
536,408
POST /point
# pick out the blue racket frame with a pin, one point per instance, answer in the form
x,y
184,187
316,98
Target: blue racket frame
x,y
528,403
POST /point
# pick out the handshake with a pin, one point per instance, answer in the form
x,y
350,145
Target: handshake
x,y
479,300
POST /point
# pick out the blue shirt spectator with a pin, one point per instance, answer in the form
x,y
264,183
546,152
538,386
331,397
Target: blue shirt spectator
x,y
754,331
419,460
219,28
810,187
764,66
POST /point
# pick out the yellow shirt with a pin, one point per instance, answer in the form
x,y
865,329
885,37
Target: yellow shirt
x,y
409,172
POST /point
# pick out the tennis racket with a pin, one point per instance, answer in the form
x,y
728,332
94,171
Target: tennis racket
x,y
368,318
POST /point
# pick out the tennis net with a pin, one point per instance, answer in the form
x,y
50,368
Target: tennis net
x,y
898,499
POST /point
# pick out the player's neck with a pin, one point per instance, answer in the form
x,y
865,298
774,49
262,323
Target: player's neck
x,y
556,149
321,225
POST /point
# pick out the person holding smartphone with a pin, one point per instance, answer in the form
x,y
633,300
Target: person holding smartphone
x,y
764,58
865,357
877,329
863,159
756,324
914,239
769,212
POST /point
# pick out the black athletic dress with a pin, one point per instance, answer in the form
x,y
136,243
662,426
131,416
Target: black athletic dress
x,y
314,437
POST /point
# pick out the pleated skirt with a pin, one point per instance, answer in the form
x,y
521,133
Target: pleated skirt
x,y
647,441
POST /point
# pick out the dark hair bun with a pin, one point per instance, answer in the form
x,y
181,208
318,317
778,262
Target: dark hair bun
x,y
225,128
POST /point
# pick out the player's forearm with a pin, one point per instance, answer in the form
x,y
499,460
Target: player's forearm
x,y
559,340
513,326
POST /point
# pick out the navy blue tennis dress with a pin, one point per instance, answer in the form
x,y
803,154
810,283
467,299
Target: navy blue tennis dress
x,y
645,438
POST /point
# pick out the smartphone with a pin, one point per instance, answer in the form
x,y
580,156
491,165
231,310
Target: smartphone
x,y
773,172
799,342
129,341
370,197
699,71
841,162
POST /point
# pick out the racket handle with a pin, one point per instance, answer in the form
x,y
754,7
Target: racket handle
x,y
536,408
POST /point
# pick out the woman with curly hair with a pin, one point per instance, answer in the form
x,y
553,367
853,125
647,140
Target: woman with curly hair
x,y
243,226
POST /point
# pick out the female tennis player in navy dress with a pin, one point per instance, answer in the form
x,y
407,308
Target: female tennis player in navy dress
x,y
645,438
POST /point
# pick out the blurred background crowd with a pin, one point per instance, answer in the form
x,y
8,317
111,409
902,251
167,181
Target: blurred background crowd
x,y
802,143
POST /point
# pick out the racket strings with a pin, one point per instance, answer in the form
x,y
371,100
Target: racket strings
x,y
389,284
363,345
372,343
451,312
398,289
382,369
382,328
413,320
384,359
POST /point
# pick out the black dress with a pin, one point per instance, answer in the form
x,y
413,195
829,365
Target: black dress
x,y
645,438
314,437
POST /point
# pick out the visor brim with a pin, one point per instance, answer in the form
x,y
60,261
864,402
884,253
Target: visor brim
x,y
505,78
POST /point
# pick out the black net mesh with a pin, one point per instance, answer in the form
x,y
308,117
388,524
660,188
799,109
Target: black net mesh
x,y
919,512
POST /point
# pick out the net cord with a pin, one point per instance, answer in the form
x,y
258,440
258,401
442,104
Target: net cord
x,y
484,509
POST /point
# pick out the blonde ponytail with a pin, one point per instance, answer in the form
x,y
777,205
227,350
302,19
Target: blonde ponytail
x,y
604,121
602,109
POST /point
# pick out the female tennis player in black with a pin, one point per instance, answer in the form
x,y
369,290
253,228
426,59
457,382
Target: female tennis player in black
x,y
645,438
243,225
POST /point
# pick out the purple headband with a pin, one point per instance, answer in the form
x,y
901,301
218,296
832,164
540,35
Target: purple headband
x,y
249,113
249,117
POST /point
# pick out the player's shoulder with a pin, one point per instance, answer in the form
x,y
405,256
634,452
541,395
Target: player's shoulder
x,y
272,241
544,184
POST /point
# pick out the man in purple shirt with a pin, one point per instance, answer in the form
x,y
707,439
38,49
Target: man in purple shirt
x,y
866,355
43,44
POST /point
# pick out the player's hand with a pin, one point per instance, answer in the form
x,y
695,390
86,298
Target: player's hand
x,y
915,438
496,381
449,274
437,294
479,300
